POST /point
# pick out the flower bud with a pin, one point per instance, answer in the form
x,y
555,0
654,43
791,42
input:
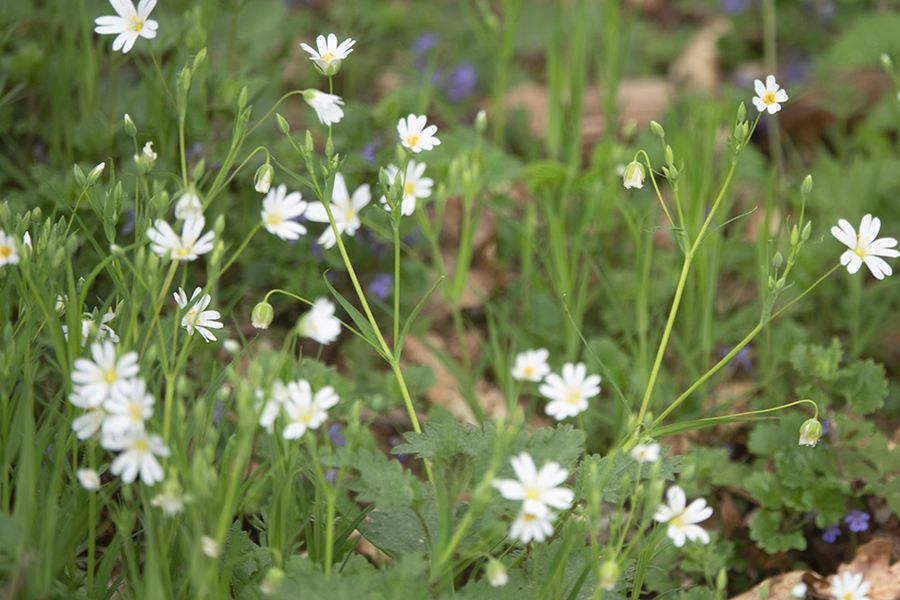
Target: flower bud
x,y
272,581
657,130
146,159
810,432
242,98
807,230
795,236
210,547
262,181
886,62
283,124
481,121
807,185
129,126
609,574
95,173
670,155
262,315
634,175
777,260
496,573
741,112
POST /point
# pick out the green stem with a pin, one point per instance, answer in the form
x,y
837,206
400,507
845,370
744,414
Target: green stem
x,y
241,248
157,305
396,228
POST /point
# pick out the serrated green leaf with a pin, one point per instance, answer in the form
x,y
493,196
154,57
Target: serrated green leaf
x,y
383,481
864,385
765,530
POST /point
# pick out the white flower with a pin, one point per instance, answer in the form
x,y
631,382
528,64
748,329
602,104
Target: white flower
x,y
306,411
529,527
683,520
569,393
538,490
89,479
320,323
26,240
864,248
88,326
328,54
138,455
94,381
414,186
531,365
188,206
496,573
187,246
232,346
8,253
415,135
279,211
262,181
278,397
209,546
89,423
344,209
645,453
146,159
633,175
849,586
769,96
170,501
127,409
129,24
197,317
799,591
327,106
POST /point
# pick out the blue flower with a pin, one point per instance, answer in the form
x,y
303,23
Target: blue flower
x,y
831,534
380,286
857,521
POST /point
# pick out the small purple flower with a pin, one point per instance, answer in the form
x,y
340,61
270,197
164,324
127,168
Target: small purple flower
x,y
461,82
733,7
380,286
336,435
857,521
331,476
218,411
826,426
831,534
368,153
425,42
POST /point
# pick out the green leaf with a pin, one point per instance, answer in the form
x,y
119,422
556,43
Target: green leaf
x,y
765,530
821,362
398,344
763,485
365,328
864,385
383,481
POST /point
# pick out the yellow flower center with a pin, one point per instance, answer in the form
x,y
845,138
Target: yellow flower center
x,y
274,219
528,517
328,57
350,214
848,596
305,418
110,376
182,252
676,521
137,24
532,494
408,188
5,251
191,315
573,396
859,252
768,98
140,445
528,371
135,412
412,140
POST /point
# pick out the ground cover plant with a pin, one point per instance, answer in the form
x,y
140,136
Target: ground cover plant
x,y
467,299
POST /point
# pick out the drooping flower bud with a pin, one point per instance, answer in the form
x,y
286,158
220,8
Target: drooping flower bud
x,y
634,175
609,574
262,315
810,432
263,179
496,573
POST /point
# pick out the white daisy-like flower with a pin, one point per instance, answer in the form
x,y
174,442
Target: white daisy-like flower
x,y
531,365
645,453
277,398
94,381
89,326
129,23
415,186
344,208
88,424
569,393
127,408
197,317
188,206
8,253
279,209
327,106
538,490
528,527
415,135
864,247
769,96
138,452
319,323
328,54
683,518
187,246
305,410
849,586
89,479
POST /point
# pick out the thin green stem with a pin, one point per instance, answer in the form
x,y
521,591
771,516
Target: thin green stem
x,y
241,248
396,229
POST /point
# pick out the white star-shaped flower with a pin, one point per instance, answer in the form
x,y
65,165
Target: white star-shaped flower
x,y
188,206
415,135
849,586
864,247
8,253
769,96
187,246
279,212
197,317
129,23
531,365
645,453
539,491
528,527
319,323
127,408
328,54
344,208
327,106
138,452
415,186
570,392
94,381
683,519
305,410
277,398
